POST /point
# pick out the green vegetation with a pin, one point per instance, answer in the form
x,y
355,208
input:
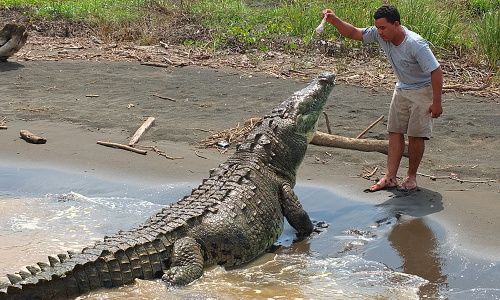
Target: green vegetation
x,y
487,33
467,27
92,11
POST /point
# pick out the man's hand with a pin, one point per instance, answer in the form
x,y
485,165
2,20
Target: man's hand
x,y
346,29
328,14
436,109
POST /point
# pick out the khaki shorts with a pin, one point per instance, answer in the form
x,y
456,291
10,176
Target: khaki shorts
x,y
409,112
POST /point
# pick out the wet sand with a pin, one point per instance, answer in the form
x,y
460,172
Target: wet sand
x,y
74,104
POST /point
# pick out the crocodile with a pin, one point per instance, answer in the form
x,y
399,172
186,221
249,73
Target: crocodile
x,y
231,218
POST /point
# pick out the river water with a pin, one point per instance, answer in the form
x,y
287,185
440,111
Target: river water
x,y
367,252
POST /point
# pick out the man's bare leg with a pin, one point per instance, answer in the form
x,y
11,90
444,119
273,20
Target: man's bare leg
x,y
395,153
416,148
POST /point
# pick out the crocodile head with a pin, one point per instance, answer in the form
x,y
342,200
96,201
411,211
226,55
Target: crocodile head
x,y
280,140
304,107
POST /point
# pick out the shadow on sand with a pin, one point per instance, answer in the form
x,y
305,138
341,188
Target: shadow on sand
x,y
10,66
419,203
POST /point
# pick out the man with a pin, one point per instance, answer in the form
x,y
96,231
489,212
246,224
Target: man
x,y
417,96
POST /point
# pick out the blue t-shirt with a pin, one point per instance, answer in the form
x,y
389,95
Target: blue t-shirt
x,y
412,60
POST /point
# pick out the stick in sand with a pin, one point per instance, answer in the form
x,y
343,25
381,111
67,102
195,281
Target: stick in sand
x,y
327,121
370,127
121,146
145,126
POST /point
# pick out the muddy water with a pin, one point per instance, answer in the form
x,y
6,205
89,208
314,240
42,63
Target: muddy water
x,y
366,253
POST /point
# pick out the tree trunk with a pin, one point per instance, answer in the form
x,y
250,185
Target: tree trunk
x,y
337,141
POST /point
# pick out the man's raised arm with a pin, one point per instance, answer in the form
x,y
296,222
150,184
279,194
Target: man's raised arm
x,y
346,29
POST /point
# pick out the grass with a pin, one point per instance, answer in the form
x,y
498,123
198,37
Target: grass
x,y
92,11
469,25
487,33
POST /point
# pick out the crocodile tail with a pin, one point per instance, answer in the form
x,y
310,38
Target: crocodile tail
x,y
74,274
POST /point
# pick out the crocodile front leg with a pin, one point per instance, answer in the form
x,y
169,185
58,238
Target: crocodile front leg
x,y
187,262
296,216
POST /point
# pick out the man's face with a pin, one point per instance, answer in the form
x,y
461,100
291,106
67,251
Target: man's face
x,y
386,30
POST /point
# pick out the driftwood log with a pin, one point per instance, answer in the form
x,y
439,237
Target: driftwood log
x,y
31,138
12,39
366,145
145,126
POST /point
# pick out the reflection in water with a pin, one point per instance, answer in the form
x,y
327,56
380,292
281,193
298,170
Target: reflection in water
x,y
417,246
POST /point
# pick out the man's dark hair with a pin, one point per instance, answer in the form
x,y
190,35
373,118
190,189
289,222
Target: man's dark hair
x,y
389,12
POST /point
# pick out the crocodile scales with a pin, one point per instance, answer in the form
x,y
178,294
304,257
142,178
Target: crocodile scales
x,y
229,219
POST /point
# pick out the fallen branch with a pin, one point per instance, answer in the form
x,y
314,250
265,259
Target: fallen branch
x,y
327,121
366,145
370,127
257,85
159,152
37,109
160,65
31,138
199,155
453,177
201,129
165,98
461,87
145,126
121,146
368,175
3,127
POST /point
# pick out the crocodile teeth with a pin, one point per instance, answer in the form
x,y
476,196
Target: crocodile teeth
x,y
43,266
34,269
53,261
14,278
24,274
62,257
